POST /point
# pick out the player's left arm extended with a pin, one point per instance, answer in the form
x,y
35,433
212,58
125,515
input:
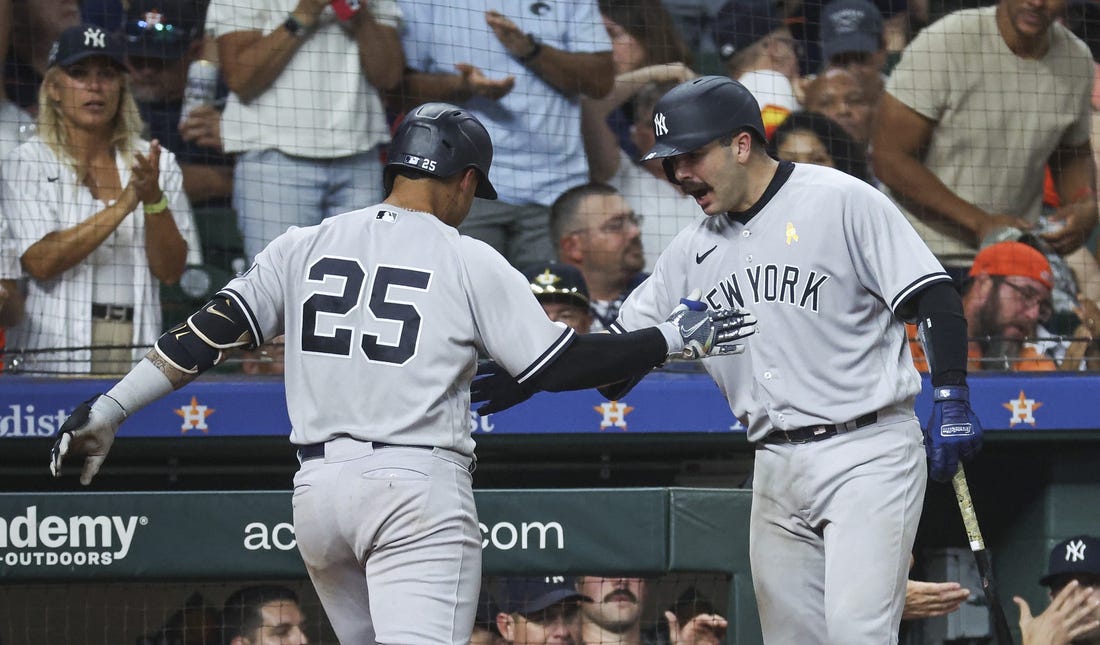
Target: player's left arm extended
x,y
179,356
953,431
593,360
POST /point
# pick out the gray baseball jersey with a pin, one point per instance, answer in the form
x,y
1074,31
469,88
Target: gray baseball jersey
x,y
823,262
823,266
384,312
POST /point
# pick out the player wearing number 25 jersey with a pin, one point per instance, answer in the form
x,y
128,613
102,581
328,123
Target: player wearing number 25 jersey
x,y
373,291
385,311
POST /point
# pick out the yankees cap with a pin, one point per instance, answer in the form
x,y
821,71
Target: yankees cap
x,y
530,595
742,23
84,41
1079,555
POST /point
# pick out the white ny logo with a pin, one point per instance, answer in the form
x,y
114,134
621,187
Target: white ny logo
x,y
1075,551
659,124
94,37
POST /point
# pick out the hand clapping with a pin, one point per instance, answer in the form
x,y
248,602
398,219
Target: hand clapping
x,y
146,175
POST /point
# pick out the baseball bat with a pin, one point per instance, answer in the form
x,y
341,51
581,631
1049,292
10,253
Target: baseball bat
x,y
1001,634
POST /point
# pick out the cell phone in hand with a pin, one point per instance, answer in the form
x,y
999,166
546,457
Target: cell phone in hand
x,y
346,9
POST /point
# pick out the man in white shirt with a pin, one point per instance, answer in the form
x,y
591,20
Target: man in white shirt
x,y
304,114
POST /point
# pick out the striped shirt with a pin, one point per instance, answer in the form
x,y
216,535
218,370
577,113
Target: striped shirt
x,y
42,194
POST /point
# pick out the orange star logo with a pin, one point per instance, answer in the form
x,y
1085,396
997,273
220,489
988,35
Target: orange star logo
x,y
614,414
1022,409
194,416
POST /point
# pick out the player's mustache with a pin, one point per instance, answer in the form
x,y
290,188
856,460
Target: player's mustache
x,y
620,594
691,187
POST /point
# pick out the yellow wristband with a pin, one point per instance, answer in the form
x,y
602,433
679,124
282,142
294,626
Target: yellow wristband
x,y
159,206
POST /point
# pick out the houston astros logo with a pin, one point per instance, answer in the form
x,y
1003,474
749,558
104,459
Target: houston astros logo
x,y
792,235
614,414
194,416
1023,410
94,37
659,127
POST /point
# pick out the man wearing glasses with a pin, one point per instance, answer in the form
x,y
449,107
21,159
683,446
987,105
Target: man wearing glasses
x,y
1006,299
596,230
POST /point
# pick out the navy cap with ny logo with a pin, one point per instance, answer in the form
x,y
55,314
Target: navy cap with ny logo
x,y
84,41
1078,555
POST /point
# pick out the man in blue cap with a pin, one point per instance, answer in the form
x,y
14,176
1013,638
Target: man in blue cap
x,y
537,611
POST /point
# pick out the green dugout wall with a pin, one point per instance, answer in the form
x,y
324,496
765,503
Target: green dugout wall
x,y
70,537
1026,504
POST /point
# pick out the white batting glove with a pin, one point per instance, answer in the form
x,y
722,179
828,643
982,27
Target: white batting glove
x,y
90,430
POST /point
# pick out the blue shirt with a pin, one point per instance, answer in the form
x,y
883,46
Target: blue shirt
x,y
536,131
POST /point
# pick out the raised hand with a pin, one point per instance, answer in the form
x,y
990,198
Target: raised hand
x,y
701,629
928,599
509,34
1071,615
146,175
476,83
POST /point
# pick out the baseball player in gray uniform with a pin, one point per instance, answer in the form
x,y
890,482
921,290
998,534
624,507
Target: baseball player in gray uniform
x,y
830,268
384,310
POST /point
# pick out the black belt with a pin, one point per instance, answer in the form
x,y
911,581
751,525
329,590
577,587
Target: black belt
x,y
317,450
117,313
810,434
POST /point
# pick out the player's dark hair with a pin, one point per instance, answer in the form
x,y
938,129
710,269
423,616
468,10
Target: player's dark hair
x,y
758,142
563,212
242,613
408,173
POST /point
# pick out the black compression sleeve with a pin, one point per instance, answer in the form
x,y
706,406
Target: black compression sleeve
x,y
942,327
593,360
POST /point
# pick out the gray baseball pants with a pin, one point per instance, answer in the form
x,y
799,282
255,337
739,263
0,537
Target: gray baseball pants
x,y
831,530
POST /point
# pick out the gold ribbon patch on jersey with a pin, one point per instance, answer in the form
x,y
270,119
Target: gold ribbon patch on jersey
x,y
792,235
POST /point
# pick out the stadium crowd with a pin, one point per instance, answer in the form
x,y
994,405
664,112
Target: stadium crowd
x,y
267,114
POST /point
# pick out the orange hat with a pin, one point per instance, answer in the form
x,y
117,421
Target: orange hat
x,y
1013,258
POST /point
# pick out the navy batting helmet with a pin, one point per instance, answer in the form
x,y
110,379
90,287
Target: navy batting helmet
x,y
441,139
698,111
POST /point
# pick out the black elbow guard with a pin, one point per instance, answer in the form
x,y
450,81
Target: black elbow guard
x,y
198,344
